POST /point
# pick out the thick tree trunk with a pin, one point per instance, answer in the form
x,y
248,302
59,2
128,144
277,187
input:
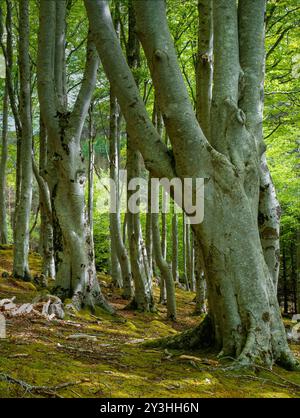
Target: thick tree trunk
x,y
73,248
4,150
21,247
149,238
3,162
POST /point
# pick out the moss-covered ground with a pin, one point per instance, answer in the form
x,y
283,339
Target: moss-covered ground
x,y
41,353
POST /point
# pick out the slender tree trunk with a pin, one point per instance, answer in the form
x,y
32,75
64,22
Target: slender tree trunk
x,y
184,251
175,246
3,162
21,248
293,275
204,65
200,307
188,255
114,176
285,282
91,161
46,230
298,269
149,240
244,319
166,273
143,298
192,263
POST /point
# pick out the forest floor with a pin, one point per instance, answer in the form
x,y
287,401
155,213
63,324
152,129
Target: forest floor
x,y
40,358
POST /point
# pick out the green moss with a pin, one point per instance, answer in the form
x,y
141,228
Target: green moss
x,y
116,365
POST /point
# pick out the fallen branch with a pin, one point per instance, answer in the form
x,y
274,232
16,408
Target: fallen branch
x,y
41,390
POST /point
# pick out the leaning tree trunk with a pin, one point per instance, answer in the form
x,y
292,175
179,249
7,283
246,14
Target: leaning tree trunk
x,y
244,319
21,247
3,162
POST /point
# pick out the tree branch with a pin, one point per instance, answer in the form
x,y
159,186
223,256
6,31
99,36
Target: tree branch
x,y
139,126
84,97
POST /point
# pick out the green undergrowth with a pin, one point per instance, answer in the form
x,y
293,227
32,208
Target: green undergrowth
x,y
43,353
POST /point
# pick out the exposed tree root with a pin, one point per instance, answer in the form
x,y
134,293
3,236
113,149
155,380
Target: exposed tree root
x,y
201,336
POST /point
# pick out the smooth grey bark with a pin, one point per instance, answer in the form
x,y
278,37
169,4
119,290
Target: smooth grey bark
x,y
21,236
74,254
175,271
204,79
149,240
251,100
204,65
143,298
121,269
132,105
200,300
244,319
13,94
188,256
4,150
46,230
184,252
239,301
91,163
298,270
3,163
122,276
116,273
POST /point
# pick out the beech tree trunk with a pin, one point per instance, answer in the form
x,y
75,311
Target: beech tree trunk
x,y
4,154
23,208
298,270
200,307
175,246
244,317
46,230
73,248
